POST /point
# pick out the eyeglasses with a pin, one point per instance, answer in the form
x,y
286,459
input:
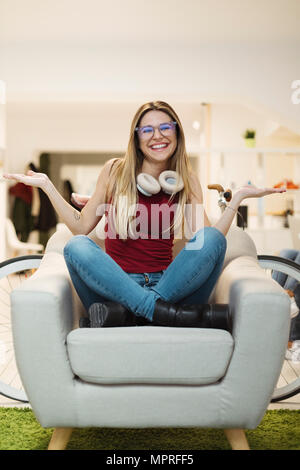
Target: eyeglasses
x,y
147,132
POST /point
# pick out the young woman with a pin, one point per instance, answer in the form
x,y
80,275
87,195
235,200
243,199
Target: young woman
x,y
135,277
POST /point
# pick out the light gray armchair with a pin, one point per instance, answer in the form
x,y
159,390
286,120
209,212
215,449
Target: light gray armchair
x,y
148,376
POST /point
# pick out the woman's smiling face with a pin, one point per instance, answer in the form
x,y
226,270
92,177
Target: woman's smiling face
x,y
157,147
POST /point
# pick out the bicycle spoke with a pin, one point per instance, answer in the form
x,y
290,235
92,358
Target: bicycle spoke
x,y
4,316
4,291
12,274
288,383
9,282
296,367
16,383
14,281
4,303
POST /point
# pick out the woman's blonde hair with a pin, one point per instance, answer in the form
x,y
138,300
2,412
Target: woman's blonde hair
x,y
122,190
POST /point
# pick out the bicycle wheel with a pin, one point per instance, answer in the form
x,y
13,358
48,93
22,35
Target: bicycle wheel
x,y
12,273
289,382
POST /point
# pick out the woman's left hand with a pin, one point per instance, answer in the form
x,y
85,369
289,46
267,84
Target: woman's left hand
x,y
252,191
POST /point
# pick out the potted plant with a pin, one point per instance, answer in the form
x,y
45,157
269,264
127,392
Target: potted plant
x,y
249,136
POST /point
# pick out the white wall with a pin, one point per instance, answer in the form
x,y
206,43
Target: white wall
x,y
78,127
258,75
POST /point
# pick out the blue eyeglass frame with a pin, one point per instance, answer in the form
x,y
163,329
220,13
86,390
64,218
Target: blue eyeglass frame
x,y
156,127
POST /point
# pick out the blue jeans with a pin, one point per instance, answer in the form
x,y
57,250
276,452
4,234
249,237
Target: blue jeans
x,y
189,279
287,282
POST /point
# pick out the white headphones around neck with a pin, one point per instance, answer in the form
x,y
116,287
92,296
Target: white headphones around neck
x,y
169,181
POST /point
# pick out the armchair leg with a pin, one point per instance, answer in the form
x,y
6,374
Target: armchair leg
x,y
60,438
237,439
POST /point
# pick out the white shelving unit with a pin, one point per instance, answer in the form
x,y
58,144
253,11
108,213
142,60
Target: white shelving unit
x,y
267,231
213,167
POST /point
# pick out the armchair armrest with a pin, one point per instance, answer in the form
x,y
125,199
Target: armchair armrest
x,y
42,316
261,321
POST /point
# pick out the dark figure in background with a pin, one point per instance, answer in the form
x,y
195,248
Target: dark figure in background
x,y
21,210
46,220
67,193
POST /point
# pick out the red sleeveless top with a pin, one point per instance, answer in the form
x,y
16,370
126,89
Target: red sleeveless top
x,y
151,248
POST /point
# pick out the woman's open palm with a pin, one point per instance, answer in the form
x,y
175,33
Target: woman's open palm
x,y
252,191
32,178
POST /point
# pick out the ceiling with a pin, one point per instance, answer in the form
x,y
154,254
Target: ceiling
x,y
242,51
182,21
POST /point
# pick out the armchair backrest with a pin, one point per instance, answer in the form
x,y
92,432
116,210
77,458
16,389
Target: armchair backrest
x,y
239,243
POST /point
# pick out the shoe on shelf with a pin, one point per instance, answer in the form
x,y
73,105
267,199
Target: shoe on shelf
x,y
293,353
294,309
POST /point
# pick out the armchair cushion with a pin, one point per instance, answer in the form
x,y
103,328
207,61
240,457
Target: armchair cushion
x,y
149,354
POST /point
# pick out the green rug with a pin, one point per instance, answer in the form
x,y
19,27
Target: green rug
x,y
19,430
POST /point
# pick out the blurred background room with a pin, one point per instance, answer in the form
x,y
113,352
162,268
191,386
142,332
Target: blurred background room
x,y
73,73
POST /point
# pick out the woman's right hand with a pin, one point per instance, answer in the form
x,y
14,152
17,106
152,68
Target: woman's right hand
x,y
32,178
